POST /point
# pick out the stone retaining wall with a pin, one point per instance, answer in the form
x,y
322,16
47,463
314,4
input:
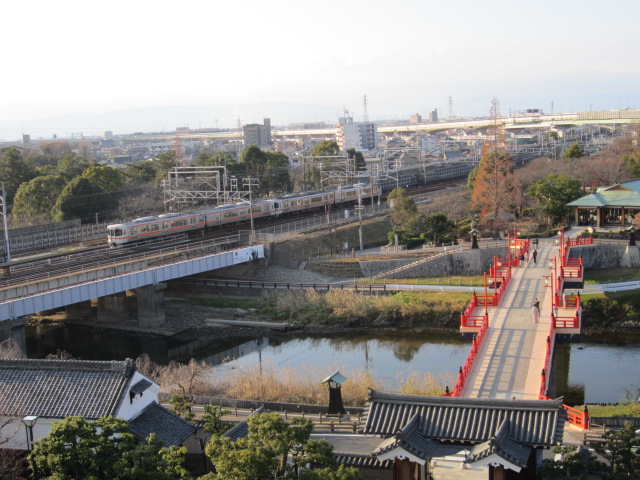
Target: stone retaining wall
x,y
470,262
607,256
336,268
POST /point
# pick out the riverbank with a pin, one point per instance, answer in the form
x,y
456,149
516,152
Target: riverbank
x,y
337,312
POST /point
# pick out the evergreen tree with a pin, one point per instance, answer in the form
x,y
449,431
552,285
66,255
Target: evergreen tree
x,y
76,449
14,171
80,199
35,199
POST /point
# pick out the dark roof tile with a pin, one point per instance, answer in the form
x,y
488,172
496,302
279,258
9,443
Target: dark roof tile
x,y
169,428
454,419
63,388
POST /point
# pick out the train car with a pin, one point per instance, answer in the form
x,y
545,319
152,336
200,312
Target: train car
x,y
144,228
291,204
237,213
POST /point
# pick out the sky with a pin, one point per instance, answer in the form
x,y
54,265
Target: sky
x,y
407,56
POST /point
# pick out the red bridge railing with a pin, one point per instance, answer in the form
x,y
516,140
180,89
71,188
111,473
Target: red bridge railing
x,y
499,274
463,373
569,268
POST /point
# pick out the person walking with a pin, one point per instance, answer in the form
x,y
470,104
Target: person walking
x,y
536,311
526,255
535,255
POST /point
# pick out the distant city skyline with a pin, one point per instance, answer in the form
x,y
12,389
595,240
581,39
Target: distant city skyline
x,y
73,59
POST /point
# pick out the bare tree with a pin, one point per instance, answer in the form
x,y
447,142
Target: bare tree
x,y
10,350
145,202
189,379
12,461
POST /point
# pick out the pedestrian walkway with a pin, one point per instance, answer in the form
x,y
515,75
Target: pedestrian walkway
x,y
512,354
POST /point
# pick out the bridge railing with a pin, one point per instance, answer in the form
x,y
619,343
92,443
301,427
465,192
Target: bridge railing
x,y
568,321
579,241
500,271
574,416
192,250
463,373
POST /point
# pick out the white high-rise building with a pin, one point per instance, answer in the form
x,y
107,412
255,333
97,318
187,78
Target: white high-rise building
x,y
256,134
362,136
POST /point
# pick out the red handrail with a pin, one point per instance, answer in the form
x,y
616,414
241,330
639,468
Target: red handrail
x,y
463,373
574,416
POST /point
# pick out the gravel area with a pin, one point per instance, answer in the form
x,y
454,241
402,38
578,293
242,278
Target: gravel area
x,y
275,273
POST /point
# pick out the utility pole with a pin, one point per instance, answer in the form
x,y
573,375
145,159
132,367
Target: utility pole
x,y
6,225
251,181
360,207
365,115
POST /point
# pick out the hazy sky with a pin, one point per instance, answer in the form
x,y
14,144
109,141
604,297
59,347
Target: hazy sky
x,y
65,56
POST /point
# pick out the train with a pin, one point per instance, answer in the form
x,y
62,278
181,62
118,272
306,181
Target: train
x,y
144,228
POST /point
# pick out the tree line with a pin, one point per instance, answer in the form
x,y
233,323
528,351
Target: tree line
x,y
498,195
54,182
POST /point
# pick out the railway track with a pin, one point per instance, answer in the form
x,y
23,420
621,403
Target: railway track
x,y
48,264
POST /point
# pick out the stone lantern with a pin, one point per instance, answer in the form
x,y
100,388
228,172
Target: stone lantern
x,y
474,238
335,382
632,236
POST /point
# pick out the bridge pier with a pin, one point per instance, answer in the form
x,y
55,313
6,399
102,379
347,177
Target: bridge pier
x,y
79,310
151,305
113,308
14,330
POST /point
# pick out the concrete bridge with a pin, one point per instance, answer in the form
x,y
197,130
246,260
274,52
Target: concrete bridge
x,y
109,284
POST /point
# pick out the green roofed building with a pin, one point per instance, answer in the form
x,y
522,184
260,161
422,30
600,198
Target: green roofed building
x,y
616,205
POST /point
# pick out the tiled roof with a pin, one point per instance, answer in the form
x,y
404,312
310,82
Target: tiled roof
x,y
503,446
454,419
140,386
625,194
362,461
240,429
63,388
411,440
169,428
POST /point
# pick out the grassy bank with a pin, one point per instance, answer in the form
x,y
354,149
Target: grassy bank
x,y
624,409
459,280
399,309
349,309
610,275
611,311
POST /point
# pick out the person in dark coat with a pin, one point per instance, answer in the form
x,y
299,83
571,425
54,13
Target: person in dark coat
x,y
535,255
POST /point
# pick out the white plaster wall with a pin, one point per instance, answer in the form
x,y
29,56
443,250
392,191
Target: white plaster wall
x,y
452,470
128,409
14,431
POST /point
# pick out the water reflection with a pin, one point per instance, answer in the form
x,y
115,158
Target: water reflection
x,y
387,354
597,370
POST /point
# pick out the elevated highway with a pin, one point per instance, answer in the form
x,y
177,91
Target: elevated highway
x,y
509,123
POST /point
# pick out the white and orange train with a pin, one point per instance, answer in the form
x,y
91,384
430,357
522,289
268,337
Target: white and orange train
x,y
171,223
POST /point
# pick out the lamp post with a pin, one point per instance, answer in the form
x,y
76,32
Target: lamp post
x,y
29,421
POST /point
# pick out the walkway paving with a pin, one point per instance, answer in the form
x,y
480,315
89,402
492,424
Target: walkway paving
x,y
512,354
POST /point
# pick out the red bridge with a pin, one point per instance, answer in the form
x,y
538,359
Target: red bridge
x,y
511,354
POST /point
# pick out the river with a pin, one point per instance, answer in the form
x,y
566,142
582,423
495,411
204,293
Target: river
x,y
598,369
